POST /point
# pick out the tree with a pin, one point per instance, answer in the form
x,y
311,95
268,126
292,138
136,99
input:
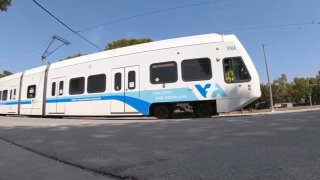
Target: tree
x,y
73,56
5,73
298,91
301,90
4,4
280,88
314,84
127,42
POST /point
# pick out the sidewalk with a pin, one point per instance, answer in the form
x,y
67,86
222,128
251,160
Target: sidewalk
x,y
275,112
17,163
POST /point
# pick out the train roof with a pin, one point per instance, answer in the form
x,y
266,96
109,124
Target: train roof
x,y
151,46
25,73
11,77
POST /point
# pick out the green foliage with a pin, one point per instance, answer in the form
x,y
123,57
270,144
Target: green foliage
x,y
5,73
264,93
297,92
127,42
73,56
4,5
300,90
280,88
315,89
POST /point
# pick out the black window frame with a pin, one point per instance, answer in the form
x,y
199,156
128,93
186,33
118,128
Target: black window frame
x,y
244,65
117,81
81,87
61,87
195,79
53,89
29,95
0,95
90,89
10,94
166,62
4,95
14,96
130,76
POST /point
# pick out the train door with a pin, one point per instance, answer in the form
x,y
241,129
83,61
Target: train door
x,y
57,90
132,87
117,90
125,88
13,108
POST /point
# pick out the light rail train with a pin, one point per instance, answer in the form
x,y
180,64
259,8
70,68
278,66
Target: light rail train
x,y
204,74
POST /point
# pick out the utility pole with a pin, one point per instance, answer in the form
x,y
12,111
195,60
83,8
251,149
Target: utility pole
x,y
310,91
270,89
310,98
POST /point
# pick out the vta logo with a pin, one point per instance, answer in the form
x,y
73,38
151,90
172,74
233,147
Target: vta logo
x,y
204,90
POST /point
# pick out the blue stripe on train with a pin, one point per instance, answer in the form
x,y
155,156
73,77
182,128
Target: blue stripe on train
x,y
138,104
15,102
141,105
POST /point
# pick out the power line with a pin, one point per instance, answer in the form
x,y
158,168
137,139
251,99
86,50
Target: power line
x,y
109,23
221,31
61,22
268,27
155,12
22,55
152,12
198,4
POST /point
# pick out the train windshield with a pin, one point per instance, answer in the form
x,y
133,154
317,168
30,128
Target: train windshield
x,y
235,70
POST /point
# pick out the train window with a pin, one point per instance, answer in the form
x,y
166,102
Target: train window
x,y
10,94
165,72
61,85
53,89
96,83
76,86
4,95
31,91
235,70
196,69
14,93
132,80
117,81
0,95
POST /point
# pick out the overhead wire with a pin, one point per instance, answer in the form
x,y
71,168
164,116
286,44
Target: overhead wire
x,y
61,22
23,54
161,11
266,27
109,23
152,12
219,31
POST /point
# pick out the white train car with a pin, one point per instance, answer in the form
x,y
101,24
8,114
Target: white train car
x,y
9,94
32,91
206,74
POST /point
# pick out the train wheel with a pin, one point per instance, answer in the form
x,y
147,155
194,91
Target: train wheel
x,y
161,112
204,110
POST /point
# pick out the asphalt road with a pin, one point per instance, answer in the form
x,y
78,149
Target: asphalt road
x,y
273,146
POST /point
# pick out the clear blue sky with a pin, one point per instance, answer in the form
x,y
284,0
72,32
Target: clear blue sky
x,y
294,50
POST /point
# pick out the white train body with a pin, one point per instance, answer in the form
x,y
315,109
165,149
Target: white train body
x,y
135,80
